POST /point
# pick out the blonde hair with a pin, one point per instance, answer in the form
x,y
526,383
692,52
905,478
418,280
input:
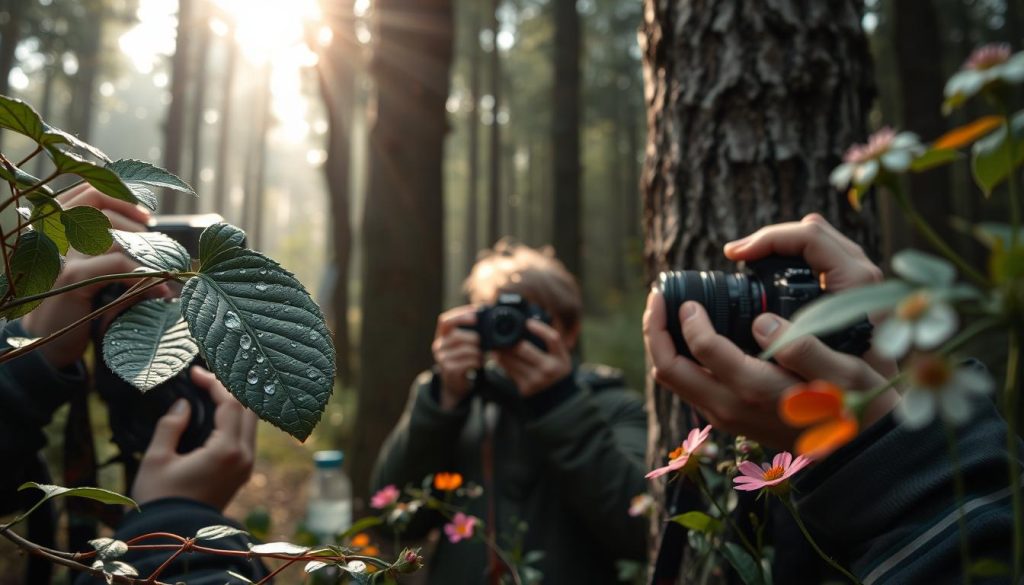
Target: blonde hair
x,y
511,267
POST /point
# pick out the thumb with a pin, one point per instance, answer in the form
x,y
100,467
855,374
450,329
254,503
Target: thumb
x,y
169,429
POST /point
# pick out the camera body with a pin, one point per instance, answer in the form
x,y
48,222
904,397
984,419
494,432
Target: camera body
x,y
774,284
133,415
503,324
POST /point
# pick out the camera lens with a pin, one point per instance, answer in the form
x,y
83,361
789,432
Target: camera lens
x,y
507,326
732,301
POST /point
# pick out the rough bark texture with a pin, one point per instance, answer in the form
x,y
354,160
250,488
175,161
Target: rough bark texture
x,y
565,137
196,124
89,55
403,223
750,104
494,162
174,127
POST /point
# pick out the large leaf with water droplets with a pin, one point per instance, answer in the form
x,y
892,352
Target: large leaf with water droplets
x,y
218,238
149,343
154,250
263,336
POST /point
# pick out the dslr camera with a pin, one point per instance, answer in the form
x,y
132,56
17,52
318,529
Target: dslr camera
x,y
133,414
503,324
774,284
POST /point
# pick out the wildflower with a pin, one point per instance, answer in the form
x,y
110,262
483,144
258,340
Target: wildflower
x,y
447,482
385,497
773,477
409,561
886,150
821,406
402,511
360,540
936,384
679,459
640,505
460,528
923,319
986,66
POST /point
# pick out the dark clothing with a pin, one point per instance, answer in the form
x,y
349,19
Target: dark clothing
x,y
566,462
30,392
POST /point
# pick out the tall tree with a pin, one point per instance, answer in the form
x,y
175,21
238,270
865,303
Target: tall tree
x,y
565,136
749,107
473,150
223,171
89,43
256,160
10,35
337,77
174,126
403,223
494,185
196,125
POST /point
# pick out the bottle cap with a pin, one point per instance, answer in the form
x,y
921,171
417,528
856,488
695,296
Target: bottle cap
x,y
328,459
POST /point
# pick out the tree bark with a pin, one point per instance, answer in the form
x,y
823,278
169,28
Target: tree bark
x,y
10,36
89,55
255,161
749,107
403,223
472,188
196,124
565,137
223,174
494,187
174,126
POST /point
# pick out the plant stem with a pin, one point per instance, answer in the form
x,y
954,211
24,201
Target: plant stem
x,y
163,566
1011,414
958,490
703,486
163,275
30,156
936,241
1011,178
803,529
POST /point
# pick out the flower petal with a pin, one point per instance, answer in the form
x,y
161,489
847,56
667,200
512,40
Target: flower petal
x,y
955,405
658,472
782,460
807,404
937,324
906,141
968,133
865,173
917,408
892,338
749,487
841,175
897,160
825,438
973,380
750,469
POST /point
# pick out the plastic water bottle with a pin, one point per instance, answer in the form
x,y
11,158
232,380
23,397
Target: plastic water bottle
x,y
329,512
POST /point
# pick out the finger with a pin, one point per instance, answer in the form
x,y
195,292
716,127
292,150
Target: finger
x,y
657,341
811,359
227,417
120,222
466,353
168,431
549,335
849,245
87,195
89,267
727,362
249,425
452,318
459,338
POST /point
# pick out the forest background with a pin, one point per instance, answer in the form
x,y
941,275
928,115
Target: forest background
x,y
373,146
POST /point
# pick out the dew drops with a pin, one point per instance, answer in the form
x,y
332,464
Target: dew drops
x,y
242,271
313,335
259,358
231,320
269,388
261,286
245,341
263,270
252,378
245,355
259,334
311,373
291,345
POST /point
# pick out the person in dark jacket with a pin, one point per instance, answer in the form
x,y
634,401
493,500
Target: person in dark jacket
x,y
177,493
556,446
883,505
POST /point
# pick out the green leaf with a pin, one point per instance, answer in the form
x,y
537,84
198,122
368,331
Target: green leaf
x,y
745,565
112,568
996,235
923,268
263,336
991,157
18,116
698,521
105,180
87,229
257,522
89,493
35,266
985,568
832,312
217,238
154,250
53,136
109,548
278,548
149,344
20,178
45,219
935,157
241,578
361,525
312,566
136,171
219,531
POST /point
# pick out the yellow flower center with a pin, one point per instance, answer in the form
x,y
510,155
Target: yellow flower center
x,y
913,307
676,453
773,473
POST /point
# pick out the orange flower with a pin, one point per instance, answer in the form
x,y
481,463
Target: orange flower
x,y
360,540
447,482
821,406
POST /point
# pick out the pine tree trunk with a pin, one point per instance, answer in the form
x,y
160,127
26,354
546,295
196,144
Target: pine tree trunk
x,y
565,137
494,186
223,170
174,126
473,150
84,83
196,124
749,107
10,35
403,223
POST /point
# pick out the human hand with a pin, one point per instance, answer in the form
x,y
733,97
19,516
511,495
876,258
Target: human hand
x,y
211,474
532,369
59,311
456,353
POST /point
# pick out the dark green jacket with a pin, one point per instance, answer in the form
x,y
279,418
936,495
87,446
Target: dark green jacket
x,y
566,462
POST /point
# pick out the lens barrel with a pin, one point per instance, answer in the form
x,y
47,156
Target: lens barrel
x,y
732,301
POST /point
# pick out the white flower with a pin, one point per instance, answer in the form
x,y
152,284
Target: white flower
x,y
936,385
986,65
885,150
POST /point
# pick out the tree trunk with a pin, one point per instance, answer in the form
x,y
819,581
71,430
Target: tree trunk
x,y
174,127
749,107
255,160
10,36
565,137
196,124
46,109
403,224
494,187
84,84
223,174
337,78
472,189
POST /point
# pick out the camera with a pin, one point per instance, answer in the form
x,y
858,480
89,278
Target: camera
x,y
133,415
774,284
503,324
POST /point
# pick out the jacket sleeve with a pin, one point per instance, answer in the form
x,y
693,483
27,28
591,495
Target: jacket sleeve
x,y
595,445
424,441
886,500
183,517
30,392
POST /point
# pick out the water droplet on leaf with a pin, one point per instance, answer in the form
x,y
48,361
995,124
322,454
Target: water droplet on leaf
x,y
260,286
252,378
231,320
259,358
269,388
245,341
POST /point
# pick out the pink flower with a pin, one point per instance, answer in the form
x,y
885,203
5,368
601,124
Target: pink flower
x,y
679,459
385,497
774,477
988,56
640,505
460,528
